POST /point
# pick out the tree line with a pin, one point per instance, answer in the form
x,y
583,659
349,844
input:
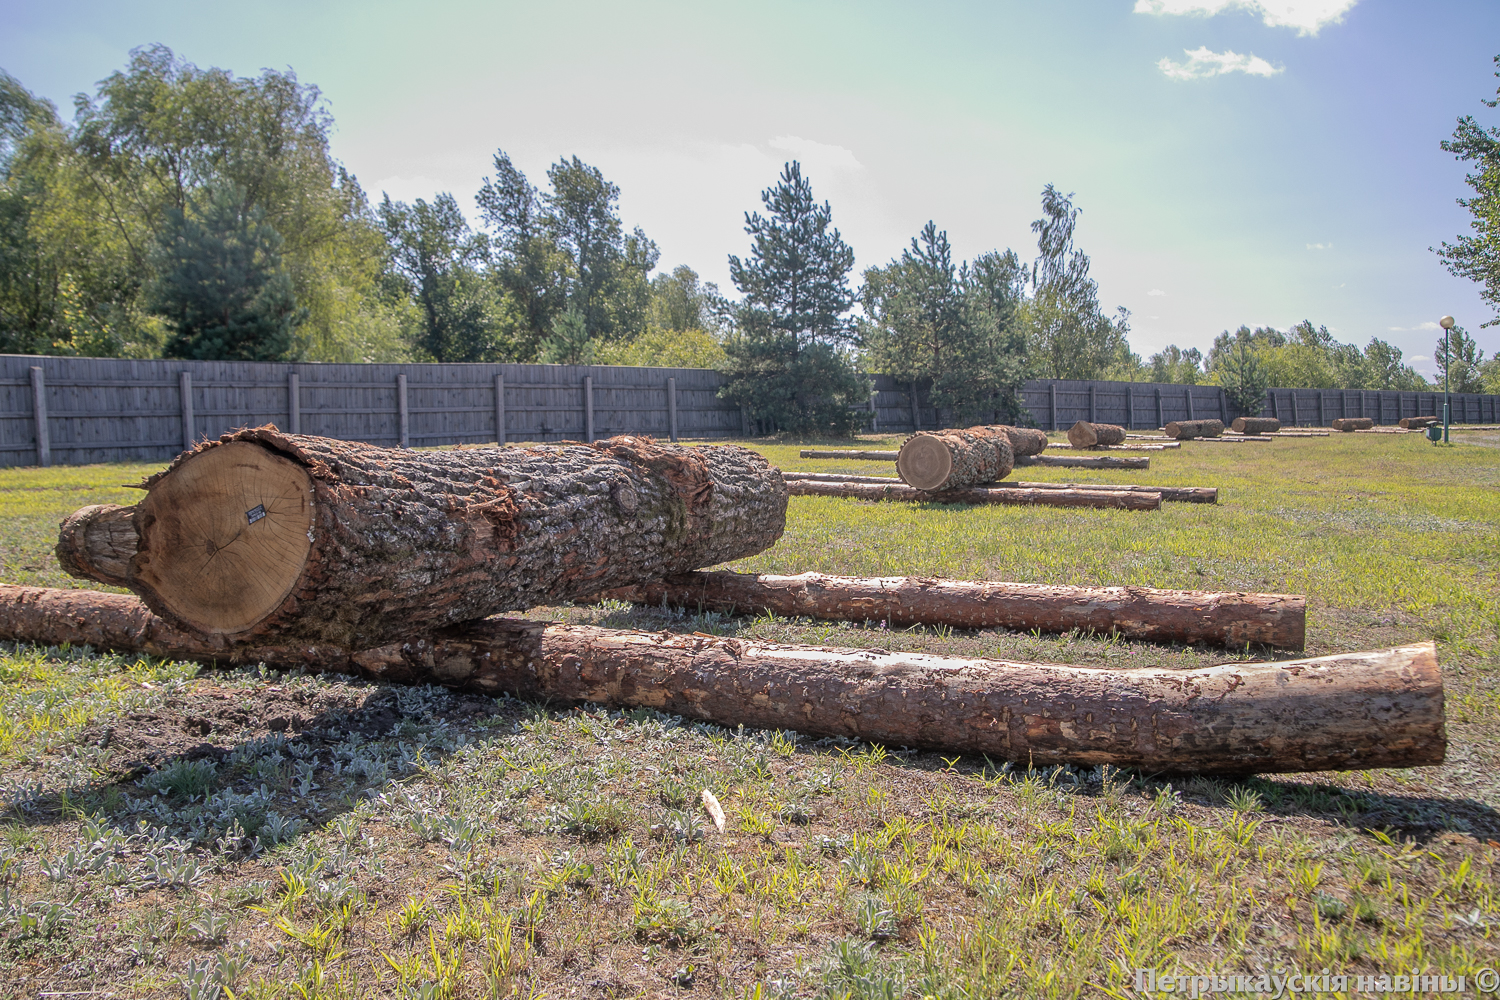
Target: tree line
x,y
189,213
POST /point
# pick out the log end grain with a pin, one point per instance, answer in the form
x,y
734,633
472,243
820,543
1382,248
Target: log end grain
x,y
925,462
1082,435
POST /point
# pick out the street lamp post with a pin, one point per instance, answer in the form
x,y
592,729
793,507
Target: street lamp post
x,y
1447,324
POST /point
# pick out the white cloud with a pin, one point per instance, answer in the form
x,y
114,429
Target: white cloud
x,y
1202,63
1418,357
816,157
1307,16
1156,291
1429,325
1320,246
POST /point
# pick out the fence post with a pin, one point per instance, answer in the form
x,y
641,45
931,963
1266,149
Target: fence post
x,y
916,418
1052,406
1091,402
401,411
1321,422
1223,408
1188,392
744,421
39,414
874,417
1129,408
185,388
588,409
500,409
1274,408
1159,421
1361,402
293,404
672,409
1296,421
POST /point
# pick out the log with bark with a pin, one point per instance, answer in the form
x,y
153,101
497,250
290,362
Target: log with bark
x,y
1087,461
953,459
1179,494
1348,712
1189,616
855,454
1004,495
1024,441
1256,425
305,539
1237,439
1086,434
1353,423
1416,423
1185,429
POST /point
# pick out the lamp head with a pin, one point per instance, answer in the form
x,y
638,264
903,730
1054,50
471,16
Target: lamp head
x,y
1446,322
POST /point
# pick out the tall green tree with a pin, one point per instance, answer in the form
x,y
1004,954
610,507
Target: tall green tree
x,y
1069,335
1477,257
1237,367
785,361
221,285
1460,361
528,265
1174,365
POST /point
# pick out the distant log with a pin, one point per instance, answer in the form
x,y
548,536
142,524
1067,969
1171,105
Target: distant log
x,y
1103,499
1256,425
1130,446
1180,494
1024,441
1085,434
1416,423
1240,439
1184,429
1350,712
306,539
1353,424
854,454
1188,616
953,459
1087,461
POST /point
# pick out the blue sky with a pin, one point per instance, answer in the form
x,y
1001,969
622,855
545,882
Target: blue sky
x,y
1236,162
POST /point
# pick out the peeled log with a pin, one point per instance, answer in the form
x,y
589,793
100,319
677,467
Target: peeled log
x,y
1189,616
1353,424
1184,429
1085,434
1255,425
865,456
949,459
264,536
1350,712
1183,494
1416,423
1087,461
1116,500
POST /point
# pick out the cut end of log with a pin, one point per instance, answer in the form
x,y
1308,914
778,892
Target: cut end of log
x,y
96,543
925,462
224,537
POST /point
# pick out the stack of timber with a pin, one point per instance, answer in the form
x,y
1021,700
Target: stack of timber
x,y
264,535
1416,423
954,459
1087,461
1255,425
1179,494
1005,495
1353,711
1185,429
1353,424
1085,434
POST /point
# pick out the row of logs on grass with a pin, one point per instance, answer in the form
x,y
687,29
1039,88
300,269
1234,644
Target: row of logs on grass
x,y
1188,616
1416,423
1255,425
959,457
1085,434
264,535
1186,429
1179,494
1353,423
1004,495
1352,711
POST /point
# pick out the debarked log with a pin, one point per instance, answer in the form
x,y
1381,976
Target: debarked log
x,y
1006,495
313,540
1188,616
1347,712
849,453
1088,461
1176,494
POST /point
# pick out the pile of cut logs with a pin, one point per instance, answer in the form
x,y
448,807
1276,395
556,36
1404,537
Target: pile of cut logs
x,y
307,552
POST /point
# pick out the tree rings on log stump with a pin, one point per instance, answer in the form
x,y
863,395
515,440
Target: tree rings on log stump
x,y
1185,429
1255,425
1353,424
949,459
1085,434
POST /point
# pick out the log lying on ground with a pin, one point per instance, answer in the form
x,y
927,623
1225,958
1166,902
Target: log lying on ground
x,y
1255,425
307,539
1353,423
1221,619
1023,440
1184,429
1085,434
1005,495
1350,712
1155,446
1180,494
855,454
1298,433
1087,461
1416,423
1237,439
953,459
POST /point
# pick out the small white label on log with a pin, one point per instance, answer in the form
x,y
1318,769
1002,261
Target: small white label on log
x,y
256,513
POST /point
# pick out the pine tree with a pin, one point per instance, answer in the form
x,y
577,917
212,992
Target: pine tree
x,y
221,286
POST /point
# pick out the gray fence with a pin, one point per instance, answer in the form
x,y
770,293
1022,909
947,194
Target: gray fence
x,y
74,411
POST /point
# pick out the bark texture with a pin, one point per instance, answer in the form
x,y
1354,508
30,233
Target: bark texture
x,y
1354,711
404,541
1184,429
96,543
1414,423
1255,425
1087,461
1085,434
953,459
1189,616
1105,499
1023,440
1179,494
1353,423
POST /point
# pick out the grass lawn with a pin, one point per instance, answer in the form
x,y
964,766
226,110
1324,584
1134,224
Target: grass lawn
x,y
171,831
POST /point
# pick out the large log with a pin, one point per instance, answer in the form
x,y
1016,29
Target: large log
x,y
1181,494
264,534
953,459
1256,425
1353,423
1023,440
1416,423
1185,429
1349,712
1087,461
1006,495
849,453
1086,434
1189,616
